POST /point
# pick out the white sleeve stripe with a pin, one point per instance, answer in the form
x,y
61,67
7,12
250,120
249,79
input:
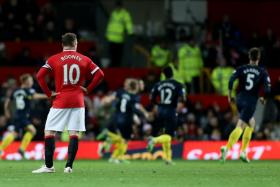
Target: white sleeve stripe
x,y
95,70
47,66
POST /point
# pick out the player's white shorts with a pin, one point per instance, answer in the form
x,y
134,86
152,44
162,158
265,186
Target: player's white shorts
x,y
72,119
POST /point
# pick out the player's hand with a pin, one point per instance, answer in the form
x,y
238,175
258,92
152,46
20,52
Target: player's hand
x,y
7,115
231,99
262,100
84,89
54,94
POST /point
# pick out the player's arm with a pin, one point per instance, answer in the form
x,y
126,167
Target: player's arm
x,y
36,95
107,100
140,110
7,112
41,77
39,96
267,87
98,76
182,95
233,77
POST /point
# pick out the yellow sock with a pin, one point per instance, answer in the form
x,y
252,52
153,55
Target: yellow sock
x,y
162,139
167,151
26,140
7,141
114,137
123,150
165,141
117,151
234,137
246,138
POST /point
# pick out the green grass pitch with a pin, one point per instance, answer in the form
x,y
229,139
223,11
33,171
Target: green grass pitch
x,y
144,173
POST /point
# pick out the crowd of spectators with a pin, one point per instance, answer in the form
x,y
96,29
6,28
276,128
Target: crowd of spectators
x,y
28,20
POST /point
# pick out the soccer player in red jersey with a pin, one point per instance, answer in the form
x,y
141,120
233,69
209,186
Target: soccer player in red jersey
x,y
70,70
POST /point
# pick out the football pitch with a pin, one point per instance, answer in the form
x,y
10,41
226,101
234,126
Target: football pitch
x,y
143,173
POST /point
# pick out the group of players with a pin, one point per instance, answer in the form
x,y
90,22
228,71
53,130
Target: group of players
x,y
71,69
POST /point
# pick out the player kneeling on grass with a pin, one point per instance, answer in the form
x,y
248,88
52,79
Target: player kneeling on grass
x,y
127,104
21,119
70,70
166,95
251,77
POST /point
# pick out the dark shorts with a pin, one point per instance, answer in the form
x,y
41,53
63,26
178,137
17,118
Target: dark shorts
x,y
246,107
166,121
122,124
20,124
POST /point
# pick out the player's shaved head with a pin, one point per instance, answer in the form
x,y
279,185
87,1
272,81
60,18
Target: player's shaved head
x,y
69,39
254,54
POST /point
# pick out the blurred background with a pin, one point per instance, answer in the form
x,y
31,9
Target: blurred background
x,y
202,40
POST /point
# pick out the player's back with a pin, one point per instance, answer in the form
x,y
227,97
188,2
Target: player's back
x,y
125,103
21,98
251,78
70,70
169,91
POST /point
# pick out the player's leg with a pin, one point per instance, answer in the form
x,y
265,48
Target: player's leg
x,y
8,139
167,151
28,136
49,152
233,138
125,129
72,150
123,150
56,120
76,124
116,153
247,135
49,148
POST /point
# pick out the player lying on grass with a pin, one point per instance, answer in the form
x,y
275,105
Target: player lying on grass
x,y
251,77
70,70
21,121
165,97
119,131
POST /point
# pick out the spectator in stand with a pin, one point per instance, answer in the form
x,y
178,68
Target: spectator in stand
x,y
12,14
70,26
160,54
255,40
24,58
30,14
220,77
50,33
190,64
46,22
119,24
269,40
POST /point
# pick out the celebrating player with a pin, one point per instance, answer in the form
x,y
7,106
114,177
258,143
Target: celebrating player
x,y
120,128
251,77
21,119
170,92
70,70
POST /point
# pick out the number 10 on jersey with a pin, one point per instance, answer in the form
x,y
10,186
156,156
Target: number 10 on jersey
x,y
68,74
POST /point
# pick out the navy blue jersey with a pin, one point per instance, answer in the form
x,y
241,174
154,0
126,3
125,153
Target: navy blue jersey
x,y
251,78
168,91
22,99
126,104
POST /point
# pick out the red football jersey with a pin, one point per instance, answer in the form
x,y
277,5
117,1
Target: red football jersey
x,y
70,70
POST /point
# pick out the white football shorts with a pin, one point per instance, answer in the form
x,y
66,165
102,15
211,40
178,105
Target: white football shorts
x,y
71,119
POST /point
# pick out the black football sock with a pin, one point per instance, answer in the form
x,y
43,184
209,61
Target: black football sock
x,y
72,150
49,150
